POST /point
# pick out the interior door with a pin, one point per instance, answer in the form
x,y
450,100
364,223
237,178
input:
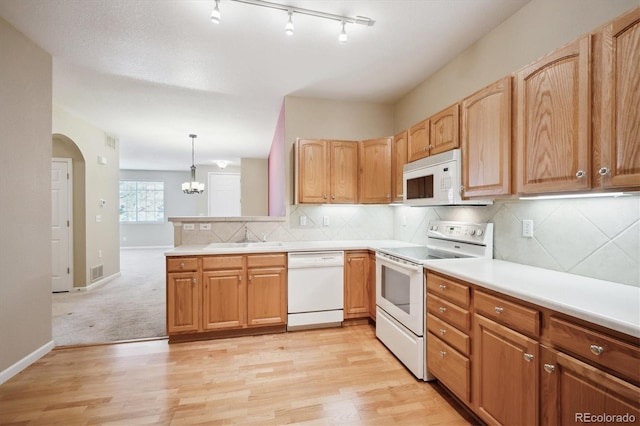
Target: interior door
x,y
61,248
224,195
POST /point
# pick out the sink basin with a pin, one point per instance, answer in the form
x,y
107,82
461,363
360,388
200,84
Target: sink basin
x,y
248,244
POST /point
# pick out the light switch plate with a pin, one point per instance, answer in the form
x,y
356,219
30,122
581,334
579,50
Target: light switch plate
x,y
188,227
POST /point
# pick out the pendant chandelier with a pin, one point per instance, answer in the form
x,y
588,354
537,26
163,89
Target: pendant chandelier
x,y
193,187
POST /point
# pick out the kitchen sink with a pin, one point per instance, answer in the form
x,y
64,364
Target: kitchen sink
x,y
245,244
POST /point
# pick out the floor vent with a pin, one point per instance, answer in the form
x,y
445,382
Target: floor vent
x,y
96,273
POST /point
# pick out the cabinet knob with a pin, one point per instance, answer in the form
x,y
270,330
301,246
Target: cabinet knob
x,y
443,353
239,277
603,171
580,174
442,287
549,368
324,196
498,309
462,189
250,277
442,331
528,357
430,146
596,350
193,280
388,195
333,196
424,148
181,265
442,309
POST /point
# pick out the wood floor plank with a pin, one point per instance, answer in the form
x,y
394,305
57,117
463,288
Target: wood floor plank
x,y
334,376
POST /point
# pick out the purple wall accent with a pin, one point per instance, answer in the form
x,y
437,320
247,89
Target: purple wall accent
x,y
276,165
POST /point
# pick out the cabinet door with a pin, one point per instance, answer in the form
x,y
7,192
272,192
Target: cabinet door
x,y
418,141
618,103
375,171
343,157
266,296
224,299
356,290
372,285
573,390
486,141
312,171
443,130
553,121
399,158
505,374
183,298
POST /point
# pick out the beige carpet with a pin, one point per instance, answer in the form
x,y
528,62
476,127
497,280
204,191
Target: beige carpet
x,y
131,306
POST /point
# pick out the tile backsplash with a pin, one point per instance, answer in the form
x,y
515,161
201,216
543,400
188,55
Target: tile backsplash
x,y
593,237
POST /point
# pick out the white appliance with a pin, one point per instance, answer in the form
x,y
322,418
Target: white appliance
x,y
315,292
435,181
401,287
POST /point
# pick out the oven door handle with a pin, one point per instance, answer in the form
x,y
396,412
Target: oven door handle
x,y
383,259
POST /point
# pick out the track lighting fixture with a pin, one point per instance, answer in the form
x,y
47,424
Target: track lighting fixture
x,y
342,38
215,14
288,29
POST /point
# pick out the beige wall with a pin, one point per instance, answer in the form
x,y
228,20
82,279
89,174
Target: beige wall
x,y
327,119
255,186
538,28
25,198
101,182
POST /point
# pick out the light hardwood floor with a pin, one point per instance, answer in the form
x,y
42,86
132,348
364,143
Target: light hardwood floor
x,y
333,376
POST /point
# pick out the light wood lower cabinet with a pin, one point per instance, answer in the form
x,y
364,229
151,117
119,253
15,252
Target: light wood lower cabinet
x,y
225,293
356,284
505,374
573,392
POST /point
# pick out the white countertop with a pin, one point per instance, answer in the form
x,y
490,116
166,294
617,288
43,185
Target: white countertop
x,y
287,246
612,305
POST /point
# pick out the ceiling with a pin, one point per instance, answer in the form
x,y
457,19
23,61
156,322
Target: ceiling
x,y
152,72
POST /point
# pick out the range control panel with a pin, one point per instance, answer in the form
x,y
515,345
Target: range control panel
x,y
476,233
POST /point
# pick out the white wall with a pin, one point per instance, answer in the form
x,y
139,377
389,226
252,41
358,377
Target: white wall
x,y
25,201
255,186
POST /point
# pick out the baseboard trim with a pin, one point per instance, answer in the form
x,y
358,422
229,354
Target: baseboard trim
x,y
98,283
26,361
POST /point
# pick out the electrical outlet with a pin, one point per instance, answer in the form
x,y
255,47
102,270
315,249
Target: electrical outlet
x,y
205,227
325,220
188,226
100,253
527,228
303,220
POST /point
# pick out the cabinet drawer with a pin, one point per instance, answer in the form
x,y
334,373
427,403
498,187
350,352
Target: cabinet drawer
x,y
182,264
454,315
516,316
258,260
448,289
449,334
451,368
222,262
605,350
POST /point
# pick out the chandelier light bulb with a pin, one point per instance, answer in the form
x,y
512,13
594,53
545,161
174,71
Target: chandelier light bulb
x,y
342,38
215,14
288,29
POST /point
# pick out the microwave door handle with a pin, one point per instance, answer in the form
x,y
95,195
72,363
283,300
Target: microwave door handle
x,y
401,265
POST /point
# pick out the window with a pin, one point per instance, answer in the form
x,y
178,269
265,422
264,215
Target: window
x,y
141,201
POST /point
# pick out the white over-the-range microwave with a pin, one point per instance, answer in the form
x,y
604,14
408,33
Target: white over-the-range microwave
x,y
436,181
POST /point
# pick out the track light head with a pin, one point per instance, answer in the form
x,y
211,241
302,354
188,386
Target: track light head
x,y
342,38
215,14
288,29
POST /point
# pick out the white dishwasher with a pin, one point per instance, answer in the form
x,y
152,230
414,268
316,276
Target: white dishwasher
x,y
315,292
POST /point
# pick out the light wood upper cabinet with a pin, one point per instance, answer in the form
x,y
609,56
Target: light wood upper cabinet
x,y
326,171
312,169
486,141
418,140
399,157
375,171
553,118
443,130
616,103
343,176
356,284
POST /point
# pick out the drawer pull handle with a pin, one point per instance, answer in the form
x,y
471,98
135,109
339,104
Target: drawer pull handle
x,y
443,287
498,309
443,353
442,331
442,309
596,350
549,368
528,357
